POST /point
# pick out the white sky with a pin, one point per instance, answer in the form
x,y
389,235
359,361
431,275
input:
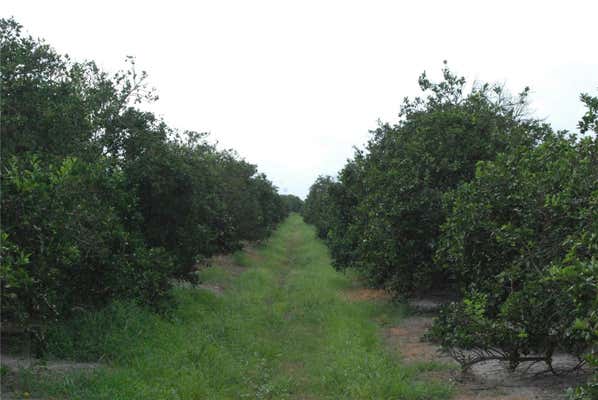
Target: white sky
x,y
293,85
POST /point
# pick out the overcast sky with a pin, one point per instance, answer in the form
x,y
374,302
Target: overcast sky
x,y
293,85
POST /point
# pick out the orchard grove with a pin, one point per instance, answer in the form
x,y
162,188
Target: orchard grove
x,y
470,197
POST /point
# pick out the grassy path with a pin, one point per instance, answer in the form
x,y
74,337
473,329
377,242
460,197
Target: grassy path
x,y
281,330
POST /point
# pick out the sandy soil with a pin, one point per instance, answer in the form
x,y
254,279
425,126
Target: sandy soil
x,y
225,262
18,362
490,380
216,289
366,294
11,380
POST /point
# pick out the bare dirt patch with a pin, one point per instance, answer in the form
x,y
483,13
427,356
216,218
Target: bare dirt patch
x,y
216,289
406,338
12,385
366,294
252,253
228,263
426,305
492,380
225,262
16,362
489,380
293,368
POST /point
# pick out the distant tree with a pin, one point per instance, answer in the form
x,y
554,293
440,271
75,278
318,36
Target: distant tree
x,y
292,203
388,207
317,209
589,122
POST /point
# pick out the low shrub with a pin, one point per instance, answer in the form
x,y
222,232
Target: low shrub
x,y
522,237
69,247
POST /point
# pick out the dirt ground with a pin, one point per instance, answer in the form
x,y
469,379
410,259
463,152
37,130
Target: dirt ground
x,y
18,362
490,380
13,363
227,263
366,294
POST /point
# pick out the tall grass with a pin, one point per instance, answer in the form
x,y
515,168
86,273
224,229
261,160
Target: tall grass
x,y
282,330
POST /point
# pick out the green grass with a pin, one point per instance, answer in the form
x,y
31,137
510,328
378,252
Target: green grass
x,y
282,330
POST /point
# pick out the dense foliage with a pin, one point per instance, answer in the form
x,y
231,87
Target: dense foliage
x,y
292,203
318,207
388,209
469,195
517,235
102,200
521,240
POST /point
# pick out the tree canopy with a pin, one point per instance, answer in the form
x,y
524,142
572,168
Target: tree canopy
x,y
102,200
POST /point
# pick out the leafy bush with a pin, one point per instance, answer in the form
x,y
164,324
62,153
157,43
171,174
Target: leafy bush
x,y
103,201
518,212
292,203
469,194
318,206
546,315
384,214
523,233
69,220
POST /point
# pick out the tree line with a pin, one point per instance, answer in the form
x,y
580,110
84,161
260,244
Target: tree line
x,y
471,196
102,200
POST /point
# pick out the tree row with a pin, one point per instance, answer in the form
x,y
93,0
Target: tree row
x,y
102,200
471,197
